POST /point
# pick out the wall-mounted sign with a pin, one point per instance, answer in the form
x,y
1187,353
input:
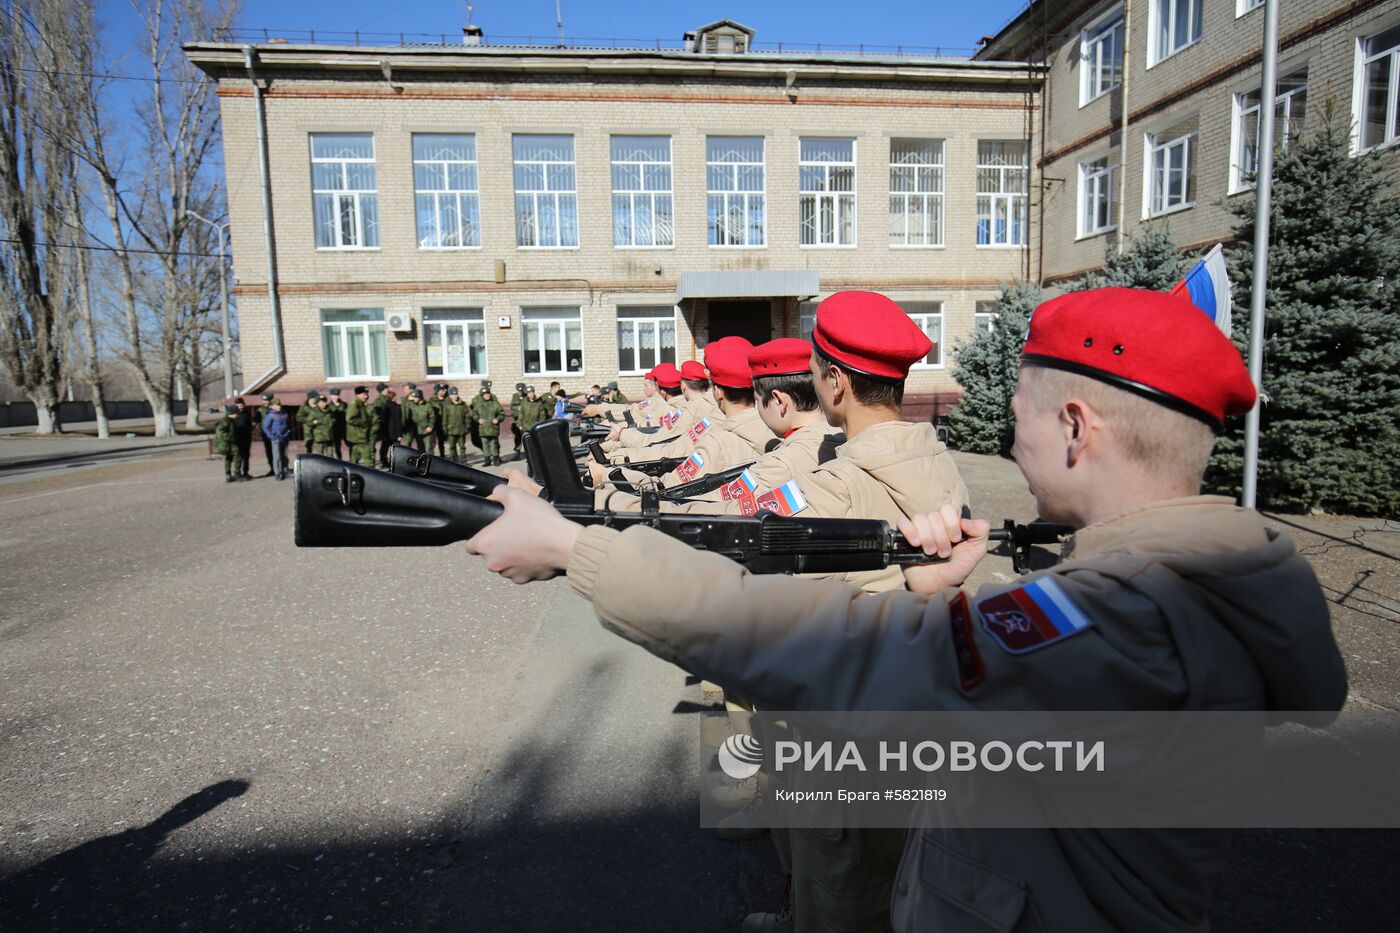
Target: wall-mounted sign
x,y
503,320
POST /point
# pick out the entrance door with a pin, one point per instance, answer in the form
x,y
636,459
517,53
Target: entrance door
x,y
752,320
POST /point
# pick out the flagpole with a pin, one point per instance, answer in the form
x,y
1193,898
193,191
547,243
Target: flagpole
x,y
1264,182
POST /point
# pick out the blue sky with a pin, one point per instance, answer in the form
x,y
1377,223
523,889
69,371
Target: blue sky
x,y
953,24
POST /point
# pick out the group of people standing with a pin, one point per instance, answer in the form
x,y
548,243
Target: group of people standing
x,y
441,423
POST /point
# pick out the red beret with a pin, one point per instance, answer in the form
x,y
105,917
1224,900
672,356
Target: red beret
x,y
693,371
1157,346
727,359
666,374
870,334
782,357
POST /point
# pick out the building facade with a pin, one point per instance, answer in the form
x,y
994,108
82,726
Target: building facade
x,y
528,214
1191,90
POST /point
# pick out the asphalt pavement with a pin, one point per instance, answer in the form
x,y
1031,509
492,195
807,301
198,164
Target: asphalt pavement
x,y
203,727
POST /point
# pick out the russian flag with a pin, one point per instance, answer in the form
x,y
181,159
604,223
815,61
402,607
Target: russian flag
x,y
787,499
744,485
1207,286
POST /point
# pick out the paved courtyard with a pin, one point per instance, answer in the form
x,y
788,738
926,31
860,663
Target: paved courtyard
x,y
202,727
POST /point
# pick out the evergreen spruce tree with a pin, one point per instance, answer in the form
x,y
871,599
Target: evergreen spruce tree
x,y
1149,261
1330,424
986,367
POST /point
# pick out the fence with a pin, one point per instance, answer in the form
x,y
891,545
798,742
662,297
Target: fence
x,y
23,414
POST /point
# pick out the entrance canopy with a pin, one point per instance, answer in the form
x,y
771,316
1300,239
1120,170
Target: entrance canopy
x,y
800,284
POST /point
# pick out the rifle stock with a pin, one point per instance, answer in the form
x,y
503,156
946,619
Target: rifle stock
x,y
405,461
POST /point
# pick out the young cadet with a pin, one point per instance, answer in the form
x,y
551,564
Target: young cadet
x,y
489,415
337,410
456,418
700,412
225,443
694,404
1174,600
357,428
305,412
745,435
517,400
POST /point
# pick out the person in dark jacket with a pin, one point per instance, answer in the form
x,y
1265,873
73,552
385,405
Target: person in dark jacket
x,y
391,426
277,430
243,432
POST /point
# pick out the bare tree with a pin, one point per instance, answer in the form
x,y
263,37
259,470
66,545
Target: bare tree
x,y
37,178
163,275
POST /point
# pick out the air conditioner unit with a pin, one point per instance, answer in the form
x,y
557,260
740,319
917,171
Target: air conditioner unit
x,y
400,322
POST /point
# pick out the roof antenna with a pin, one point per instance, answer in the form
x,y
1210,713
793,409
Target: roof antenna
x,y
559,21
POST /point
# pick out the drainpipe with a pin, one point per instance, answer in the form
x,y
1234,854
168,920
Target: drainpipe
x,y
279,364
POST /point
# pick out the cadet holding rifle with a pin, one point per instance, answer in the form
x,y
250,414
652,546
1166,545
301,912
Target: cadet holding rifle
x,y
1169,600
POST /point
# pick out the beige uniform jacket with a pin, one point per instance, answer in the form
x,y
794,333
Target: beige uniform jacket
x,y
1193,604
798,453
645,412
677,436
742,440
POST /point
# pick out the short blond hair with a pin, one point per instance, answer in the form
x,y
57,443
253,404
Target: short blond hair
x,y
1172,445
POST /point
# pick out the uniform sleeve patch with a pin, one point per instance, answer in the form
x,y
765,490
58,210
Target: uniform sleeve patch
x,y
1032,616
698,431
690,468
669,419
787,499
743,486
971,670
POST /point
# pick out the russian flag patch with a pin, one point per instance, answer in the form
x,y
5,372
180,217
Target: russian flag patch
x,y
698,431
787,499
1031,616
690,467
743,486
669,419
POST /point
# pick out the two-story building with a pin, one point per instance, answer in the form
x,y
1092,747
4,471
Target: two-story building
x,y
461,212
1191,92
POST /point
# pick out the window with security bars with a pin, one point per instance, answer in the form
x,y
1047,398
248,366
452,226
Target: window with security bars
x,y
445,196
1101,58
1003,169
1290,107
354,344
641,189
454,341
552,340
1096,195
929,316
344,201
916,192
827,192
736,201
1176,24
984,318
1171,170
1380,89
645,337
546,193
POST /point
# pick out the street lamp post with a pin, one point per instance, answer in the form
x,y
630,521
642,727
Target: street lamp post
x,y
223,300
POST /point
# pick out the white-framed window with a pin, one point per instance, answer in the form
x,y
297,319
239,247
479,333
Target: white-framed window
x,y
1170,171
646,336
1101,58
916,192
736,202
445,196
929,316
1244,6
806,319
641,190
1378,87
454,341
1003,169
552,339
984,318
1096,195
345,204
1290,108
827,192
1174,25
354,344
546,192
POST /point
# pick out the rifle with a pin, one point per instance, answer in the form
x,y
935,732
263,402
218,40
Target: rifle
x,y
405,461
337,504
707,483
